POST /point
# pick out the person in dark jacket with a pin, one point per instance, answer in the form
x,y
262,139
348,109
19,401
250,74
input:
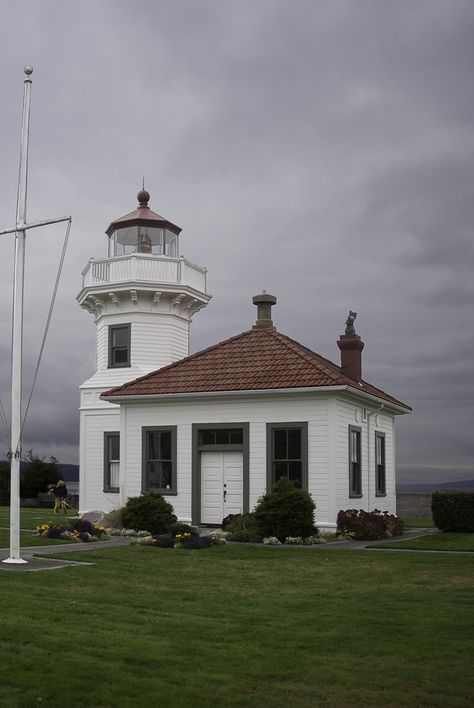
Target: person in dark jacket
x,y
60,494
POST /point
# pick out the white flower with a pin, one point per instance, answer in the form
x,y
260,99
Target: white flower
x,y
272,541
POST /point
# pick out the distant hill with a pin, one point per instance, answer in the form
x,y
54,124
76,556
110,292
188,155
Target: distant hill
x,y
462,485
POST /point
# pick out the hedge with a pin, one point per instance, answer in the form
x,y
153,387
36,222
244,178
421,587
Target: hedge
x,y
453,510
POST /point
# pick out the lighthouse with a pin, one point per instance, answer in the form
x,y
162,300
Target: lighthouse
x,y
143,296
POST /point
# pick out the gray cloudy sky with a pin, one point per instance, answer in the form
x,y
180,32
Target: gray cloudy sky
x,y
322,150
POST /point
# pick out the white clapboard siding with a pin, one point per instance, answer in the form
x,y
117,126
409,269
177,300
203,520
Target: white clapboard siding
x,y
257,411
91,449
156,340
328,418
349,414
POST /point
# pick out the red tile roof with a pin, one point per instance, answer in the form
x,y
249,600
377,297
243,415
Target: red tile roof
x,y
254,360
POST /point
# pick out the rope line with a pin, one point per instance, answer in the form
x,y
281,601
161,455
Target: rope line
x,y
48,320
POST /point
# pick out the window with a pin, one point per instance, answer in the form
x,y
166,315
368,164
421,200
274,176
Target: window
x,y
287,454
119,345
355,471
221,436
159,460
111,462
380,475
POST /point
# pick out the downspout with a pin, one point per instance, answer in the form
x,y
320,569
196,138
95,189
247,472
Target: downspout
x,y
369,416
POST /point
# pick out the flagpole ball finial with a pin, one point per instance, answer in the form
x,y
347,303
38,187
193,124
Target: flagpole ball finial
x,y
28,70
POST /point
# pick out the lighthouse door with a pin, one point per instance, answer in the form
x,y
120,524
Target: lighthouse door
x,y
221,485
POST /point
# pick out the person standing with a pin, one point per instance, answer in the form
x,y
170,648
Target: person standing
x,y
60,494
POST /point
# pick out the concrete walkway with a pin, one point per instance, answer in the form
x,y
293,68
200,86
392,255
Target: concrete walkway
x,y
39,562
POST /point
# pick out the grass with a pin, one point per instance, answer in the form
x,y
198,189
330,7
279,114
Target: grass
x,y
29,519
436,542
236,626
426,523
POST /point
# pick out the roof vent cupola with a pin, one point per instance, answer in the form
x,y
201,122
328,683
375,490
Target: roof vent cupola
x,y
351,346
264,303
143,231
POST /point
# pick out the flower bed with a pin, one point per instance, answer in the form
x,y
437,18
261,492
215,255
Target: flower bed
x,y
77,530
189,541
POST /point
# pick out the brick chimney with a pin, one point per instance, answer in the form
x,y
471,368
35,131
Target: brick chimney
x,y
264,303
351,346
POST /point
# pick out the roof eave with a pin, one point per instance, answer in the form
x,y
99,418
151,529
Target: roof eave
x,y
398,409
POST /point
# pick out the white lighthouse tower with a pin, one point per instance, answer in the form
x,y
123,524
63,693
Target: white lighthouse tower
x,y
143,297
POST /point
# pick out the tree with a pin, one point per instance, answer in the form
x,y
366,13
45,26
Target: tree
x,y
37,474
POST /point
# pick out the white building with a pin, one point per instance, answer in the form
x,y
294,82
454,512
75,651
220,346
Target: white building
x,y
213,431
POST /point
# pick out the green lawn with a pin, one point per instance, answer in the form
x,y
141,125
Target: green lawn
x,y
436,542
29,519
239,626
426,523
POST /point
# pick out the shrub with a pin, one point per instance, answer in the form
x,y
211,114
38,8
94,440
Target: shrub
x,y
165,540
368,525
226,521
82,526
77,530
453,510
150,512
195,542
243,528
179,528
285,511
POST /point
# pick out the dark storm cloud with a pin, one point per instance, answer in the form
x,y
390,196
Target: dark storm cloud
x,y
320,150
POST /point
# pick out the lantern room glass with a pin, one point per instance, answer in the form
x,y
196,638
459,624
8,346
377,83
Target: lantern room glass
x,y
143,240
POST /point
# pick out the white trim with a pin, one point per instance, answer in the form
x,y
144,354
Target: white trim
x,y
261,391
332,473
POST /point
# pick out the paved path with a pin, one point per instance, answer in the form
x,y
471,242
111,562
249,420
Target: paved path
x,y
36,562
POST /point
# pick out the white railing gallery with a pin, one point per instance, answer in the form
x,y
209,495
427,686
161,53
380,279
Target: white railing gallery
x,y
139,267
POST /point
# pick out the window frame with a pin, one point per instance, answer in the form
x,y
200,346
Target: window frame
x,y
107,461
290,425
355,475
173,491
111,349
380,490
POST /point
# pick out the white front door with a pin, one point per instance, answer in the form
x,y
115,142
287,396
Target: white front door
x,y
221,485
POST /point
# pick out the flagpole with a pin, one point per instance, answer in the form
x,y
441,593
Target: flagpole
x,y
17,329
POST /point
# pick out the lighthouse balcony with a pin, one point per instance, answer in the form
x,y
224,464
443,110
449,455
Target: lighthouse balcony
x,y
144,268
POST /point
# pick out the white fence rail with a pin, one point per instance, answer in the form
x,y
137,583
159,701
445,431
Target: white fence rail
x,y
138,267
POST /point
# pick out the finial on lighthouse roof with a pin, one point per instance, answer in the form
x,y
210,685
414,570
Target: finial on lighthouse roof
x,y
143,198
